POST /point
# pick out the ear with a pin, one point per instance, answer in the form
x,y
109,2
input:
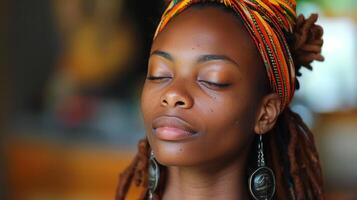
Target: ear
x,y
267,113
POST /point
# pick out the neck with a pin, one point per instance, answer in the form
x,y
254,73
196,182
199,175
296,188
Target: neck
x,y
222,180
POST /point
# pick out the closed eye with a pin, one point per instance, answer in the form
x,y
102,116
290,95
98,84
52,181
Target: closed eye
x,y
214,85
157,77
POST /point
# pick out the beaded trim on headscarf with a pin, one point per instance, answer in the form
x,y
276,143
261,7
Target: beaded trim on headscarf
x,y
266,21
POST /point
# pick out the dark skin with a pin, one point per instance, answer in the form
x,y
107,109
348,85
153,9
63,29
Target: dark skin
x,y
206,72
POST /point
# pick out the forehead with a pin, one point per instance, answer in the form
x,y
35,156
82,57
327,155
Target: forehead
x,y
207,30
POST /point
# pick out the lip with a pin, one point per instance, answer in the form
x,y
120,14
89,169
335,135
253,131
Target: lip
x,y
172,128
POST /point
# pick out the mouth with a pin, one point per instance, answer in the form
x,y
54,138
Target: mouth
x,y
172,128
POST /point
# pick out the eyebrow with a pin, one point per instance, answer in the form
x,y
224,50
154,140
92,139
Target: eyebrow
x,y
211,57
163,54
201,59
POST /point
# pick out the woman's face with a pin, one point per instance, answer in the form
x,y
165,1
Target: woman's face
x,y
205,82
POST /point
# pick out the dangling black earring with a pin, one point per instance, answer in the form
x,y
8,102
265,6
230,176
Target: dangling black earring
x,y
262,180
154,175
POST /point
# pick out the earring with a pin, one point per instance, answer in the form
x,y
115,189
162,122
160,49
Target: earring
x,y
154,174
262,180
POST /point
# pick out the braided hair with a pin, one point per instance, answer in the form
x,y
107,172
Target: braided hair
x,y
291,146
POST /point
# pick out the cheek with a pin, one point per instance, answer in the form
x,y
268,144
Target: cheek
x,y
233,111
147,110
230,125
148,100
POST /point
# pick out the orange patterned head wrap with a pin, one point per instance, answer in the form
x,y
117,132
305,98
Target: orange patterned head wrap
x,y
268,22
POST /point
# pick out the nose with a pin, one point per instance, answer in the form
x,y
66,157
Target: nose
x,y
176,97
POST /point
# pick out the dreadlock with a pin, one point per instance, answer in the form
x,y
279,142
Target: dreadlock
x,y
291,151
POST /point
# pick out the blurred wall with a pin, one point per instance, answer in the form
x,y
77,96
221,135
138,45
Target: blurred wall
x,y
75,69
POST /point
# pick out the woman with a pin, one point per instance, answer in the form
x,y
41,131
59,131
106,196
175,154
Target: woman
x,y
215,104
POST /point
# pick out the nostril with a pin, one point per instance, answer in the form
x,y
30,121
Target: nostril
x,y
180,103
175,100
164,102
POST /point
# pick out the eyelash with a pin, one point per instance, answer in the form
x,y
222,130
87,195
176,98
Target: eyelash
x,y
153,78
210,84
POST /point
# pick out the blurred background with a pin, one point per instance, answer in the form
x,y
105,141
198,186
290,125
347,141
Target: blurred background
x,y
70,80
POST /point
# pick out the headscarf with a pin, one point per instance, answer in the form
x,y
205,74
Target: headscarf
x,y
268,23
